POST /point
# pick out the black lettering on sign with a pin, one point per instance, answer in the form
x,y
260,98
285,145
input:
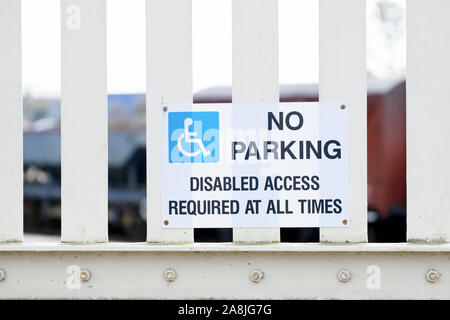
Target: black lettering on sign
x,y
294,120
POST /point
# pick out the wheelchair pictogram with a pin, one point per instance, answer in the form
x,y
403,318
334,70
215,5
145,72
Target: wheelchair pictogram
x,y
193,137
187,135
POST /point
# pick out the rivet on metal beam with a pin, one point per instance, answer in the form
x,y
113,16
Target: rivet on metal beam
x,y
432,275
256,275
2,274
169,275
344,275
85,275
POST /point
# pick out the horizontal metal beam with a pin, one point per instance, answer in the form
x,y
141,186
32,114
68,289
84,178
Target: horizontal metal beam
x,y
224,247
222,271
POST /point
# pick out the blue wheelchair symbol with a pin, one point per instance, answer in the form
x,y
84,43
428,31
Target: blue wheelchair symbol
x,y
193,137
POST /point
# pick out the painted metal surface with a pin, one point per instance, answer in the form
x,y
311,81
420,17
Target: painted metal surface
x,y
298,271
355,270
427,119
84,122
343,77
11,123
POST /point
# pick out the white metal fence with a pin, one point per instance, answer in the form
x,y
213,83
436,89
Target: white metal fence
x,y
418,269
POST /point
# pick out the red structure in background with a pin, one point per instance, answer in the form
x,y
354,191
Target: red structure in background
x,y
386,136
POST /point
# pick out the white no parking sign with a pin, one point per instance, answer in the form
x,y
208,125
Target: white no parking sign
x,y
255,165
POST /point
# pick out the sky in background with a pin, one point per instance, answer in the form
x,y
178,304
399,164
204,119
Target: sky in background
x,y
298,41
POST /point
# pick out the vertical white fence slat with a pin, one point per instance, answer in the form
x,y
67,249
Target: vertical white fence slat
x,y
11,126
84,122
169,80
343,78
428,120
255,73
